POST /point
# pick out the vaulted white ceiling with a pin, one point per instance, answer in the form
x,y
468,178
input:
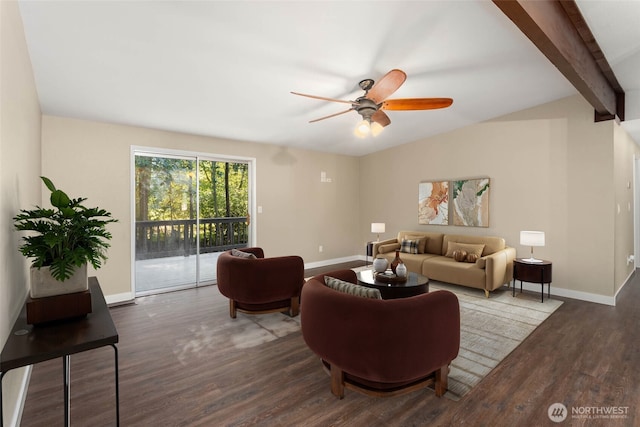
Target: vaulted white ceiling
x,y
225,69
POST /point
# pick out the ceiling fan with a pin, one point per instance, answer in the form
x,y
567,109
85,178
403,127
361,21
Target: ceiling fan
x,y
372,104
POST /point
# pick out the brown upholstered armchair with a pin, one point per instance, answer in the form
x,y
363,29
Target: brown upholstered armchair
x,y
260,285
380,347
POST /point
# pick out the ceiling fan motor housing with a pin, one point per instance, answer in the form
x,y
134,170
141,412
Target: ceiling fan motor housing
x,y
365,107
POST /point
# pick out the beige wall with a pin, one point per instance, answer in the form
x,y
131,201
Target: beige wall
x,y
300,213
19,183
625,153
551,169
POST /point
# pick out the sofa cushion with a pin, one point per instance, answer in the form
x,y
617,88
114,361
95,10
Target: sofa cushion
x,y
351,288
389,247
469,248
447,270
409,246
422,242
412,261
242,254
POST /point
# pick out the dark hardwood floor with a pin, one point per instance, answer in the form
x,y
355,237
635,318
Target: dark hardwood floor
x,y
181,365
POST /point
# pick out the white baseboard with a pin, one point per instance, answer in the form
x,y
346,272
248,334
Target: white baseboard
x,y
579,295
627,280
327,262
566,293
116,299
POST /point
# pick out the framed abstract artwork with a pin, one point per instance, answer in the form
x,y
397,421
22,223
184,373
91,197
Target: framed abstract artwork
x,y
470,199
433,202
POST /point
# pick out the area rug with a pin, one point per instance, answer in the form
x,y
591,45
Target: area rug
x,y
260,329
490,329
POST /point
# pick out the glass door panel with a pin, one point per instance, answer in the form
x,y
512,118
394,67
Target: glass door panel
x,y
166,223
224,206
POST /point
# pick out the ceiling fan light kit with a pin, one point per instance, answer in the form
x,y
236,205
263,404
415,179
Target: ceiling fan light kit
x,y
371,105
363,129
376,128
366,127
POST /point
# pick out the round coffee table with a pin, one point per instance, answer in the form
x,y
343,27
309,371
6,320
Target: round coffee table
x,y
416,284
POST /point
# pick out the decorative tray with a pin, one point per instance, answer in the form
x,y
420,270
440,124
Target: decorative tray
x,y
389,277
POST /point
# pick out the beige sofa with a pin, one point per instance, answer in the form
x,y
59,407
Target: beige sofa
x,y
493,269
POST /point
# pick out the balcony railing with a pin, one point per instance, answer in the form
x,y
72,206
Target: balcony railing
x,y
158,239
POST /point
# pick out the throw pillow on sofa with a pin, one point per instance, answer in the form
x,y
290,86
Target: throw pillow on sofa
x,y
460,256
469,248
409,246
471,258
351,288
422,242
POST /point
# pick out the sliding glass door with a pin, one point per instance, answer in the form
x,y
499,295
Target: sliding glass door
x,y
223,194
188,209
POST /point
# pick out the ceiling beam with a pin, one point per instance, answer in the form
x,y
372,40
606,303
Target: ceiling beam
x,y
559,31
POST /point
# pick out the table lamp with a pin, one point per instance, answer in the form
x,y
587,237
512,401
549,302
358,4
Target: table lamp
x,y
377,227
532,238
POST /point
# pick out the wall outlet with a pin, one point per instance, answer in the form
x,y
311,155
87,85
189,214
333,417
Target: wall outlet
x,y
320,248
324,177
630,259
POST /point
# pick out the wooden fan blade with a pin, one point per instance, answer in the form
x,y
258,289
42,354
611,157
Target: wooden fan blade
x,y
381,118
325,99
386,85
332,115
416,103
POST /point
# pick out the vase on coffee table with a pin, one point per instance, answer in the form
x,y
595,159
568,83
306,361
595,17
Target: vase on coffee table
x,y
380,264
395,262
401,270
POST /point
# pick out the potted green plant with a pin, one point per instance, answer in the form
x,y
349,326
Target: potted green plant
x,y
63,240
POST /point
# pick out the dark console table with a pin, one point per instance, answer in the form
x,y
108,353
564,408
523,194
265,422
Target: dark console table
x,y
28,344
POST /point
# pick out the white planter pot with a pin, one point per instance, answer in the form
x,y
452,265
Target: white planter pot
x,y
44,285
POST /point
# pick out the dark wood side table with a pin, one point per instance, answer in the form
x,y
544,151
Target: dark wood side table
x,y
368,253
533,272
29,344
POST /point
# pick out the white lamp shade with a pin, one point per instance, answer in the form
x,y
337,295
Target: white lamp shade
x,y
377,227
532,238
